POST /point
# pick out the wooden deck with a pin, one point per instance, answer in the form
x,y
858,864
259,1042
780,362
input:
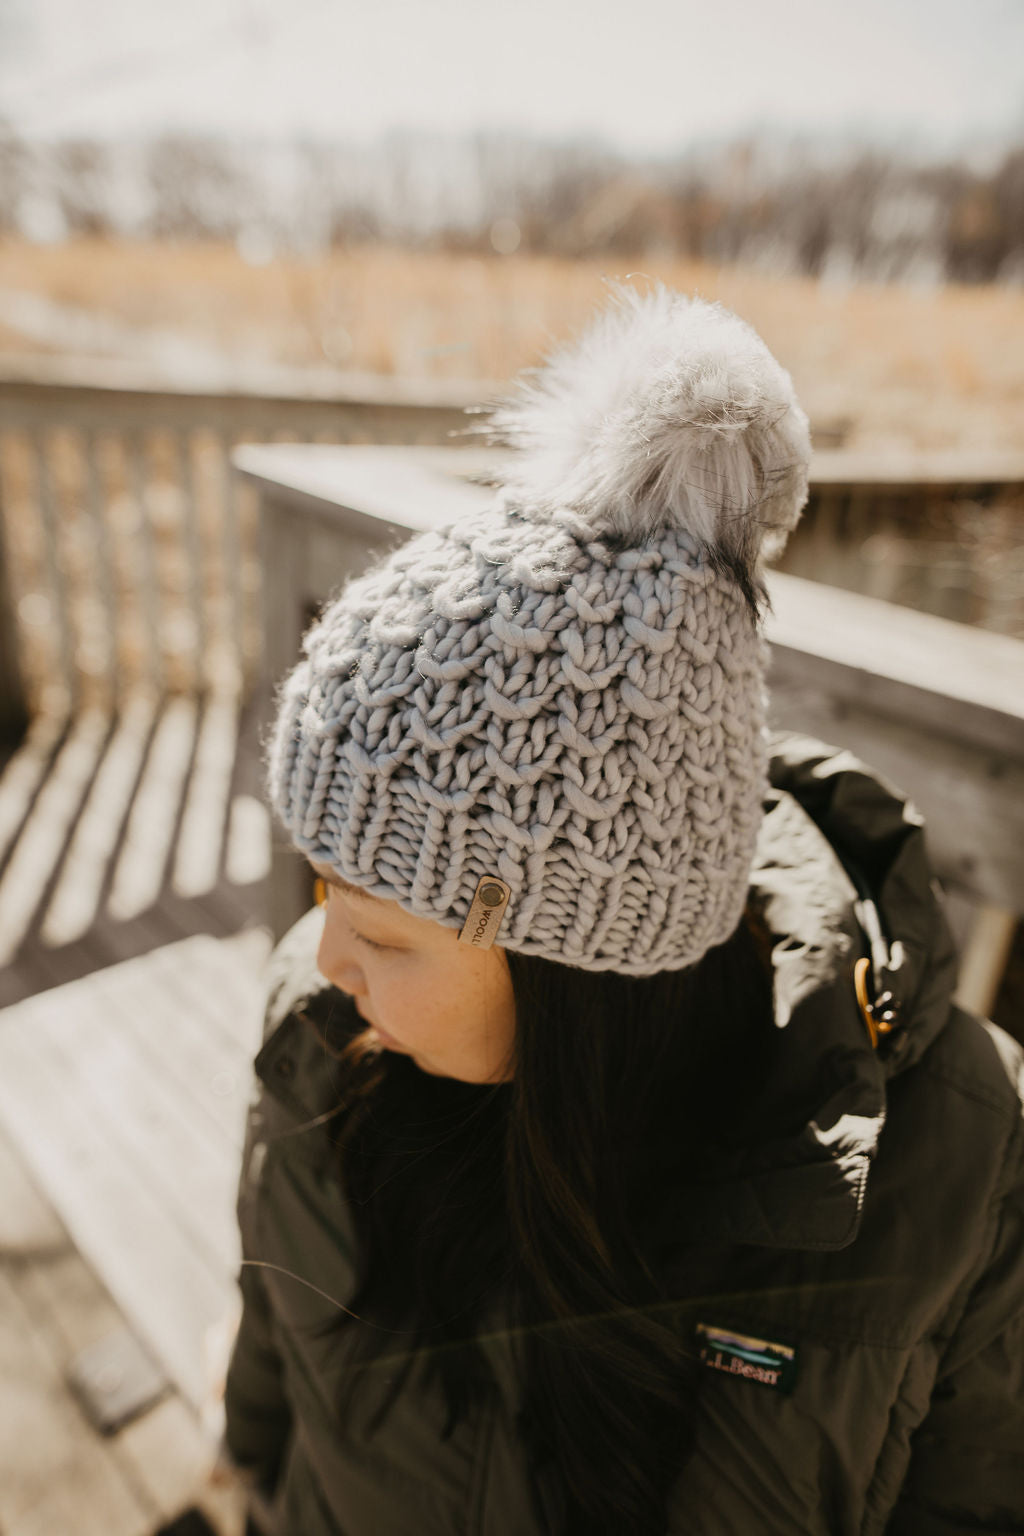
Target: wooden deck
x,y
133,854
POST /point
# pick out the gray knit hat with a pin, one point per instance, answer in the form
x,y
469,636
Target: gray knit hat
x,y
565,692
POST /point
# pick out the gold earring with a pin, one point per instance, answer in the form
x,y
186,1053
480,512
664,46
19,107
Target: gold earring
x,y
320,892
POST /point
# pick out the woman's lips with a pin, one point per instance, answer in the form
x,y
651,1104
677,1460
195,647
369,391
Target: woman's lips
x,y
385,1039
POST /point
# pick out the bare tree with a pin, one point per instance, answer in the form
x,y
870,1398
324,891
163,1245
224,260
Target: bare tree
x,y
13,168
198,189
81,173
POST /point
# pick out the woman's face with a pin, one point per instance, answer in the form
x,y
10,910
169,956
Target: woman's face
x,y
448,1006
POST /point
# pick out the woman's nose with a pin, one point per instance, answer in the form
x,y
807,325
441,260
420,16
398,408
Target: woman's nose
x,y
339,967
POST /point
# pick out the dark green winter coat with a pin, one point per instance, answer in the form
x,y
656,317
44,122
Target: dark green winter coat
x,y
861,1272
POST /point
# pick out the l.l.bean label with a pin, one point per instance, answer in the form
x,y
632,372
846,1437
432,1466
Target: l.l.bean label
x,y
764,1361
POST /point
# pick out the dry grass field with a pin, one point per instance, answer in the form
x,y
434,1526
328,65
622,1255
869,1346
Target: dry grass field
x,y
918,368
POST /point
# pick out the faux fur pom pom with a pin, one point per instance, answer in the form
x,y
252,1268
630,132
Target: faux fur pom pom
x,y
668,411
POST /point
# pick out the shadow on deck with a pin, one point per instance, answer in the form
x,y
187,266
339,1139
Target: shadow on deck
x,y
121,833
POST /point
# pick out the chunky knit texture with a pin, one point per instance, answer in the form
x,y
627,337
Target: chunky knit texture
x,y
534,693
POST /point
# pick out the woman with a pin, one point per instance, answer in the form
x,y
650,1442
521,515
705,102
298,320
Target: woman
x,y
621,1163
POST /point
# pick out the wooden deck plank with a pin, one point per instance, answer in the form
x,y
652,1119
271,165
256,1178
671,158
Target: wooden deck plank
x,y
205,1064
25,772
166,1290
205,817
225,987
170,1455
36,1344
81,1101
209,996
41,844
164,1456
152,822
59,1476
221,914
75,902
247,857
69,1505
28,1223
185,1161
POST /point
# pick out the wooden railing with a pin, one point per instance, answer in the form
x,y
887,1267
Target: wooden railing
x,y
936,705
129,555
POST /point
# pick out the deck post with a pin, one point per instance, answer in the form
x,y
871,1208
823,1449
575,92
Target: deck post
x,y
282,540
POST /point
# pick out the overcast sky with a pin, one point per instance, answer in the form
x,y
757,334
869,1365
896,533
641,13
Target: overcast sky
x,y
644,74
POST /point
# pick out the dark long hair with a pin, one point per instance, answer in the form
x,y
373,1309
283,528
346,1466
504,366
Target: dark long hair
x,y
546,1192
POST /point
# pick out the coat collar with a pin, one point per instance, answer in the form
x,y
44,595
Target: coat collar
x,y
836,840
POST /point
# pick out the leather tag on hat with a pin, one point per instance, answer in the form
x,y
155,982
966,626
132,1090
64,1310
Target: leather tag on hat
x,y
485,915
